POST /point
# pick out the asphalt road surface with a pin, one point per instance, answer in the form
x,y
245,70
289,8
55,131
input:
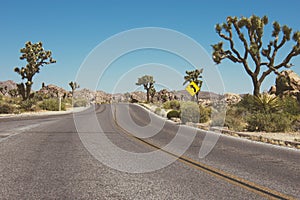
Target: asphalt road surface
x,y
58,157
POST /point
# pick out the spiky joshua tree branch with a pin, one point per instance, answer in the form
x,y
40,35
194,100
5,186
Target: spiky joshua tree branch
x,y
250,35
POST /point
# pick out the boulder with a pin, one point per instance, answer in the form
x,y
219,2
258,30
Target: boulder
x,y
287,82
6,86
231,98
52,91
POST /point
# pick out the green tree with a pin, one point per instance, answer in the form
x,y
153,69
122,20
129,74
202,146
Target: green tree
x,y
36,57
194,76
148,83
73,86
258,62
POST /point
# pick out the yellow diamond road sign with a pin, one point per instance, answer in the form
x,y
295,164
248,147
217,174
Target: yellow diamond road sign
x,y
192,88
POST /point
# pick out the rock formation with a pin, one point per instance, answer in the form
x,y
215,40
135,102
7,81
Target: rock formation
x,y
287,83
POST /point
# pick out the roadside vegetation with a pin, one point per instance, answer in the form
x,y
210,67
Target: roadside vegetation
x,y
266,112
22,98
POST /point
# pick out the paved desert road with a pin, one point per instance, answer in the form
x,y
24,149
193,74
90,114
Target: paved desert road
x,y
47,158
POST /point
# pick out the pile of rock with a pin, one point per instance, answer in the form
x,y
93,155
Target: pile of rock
x,y
138,96
53,91
287,83
232,99
6,86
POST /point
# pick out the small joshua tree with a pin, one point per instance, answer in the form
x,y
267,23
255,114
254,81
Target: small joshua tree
x,y
73,86
36,57
194,76
148,83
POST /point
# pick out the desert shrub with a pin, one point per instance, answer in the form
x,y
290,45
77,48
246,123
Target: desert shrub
x,y
270,122
247,103
52,105
134,101
234,119
68,101
27,105
6,108
267,103
217,118
174,105
80,103
204,115
173,114
157,111
290,105
189,112
264,113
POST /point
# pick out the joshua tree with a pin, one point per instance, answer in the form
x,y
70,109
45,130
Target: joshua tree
x,y
258,62
127,96
73,86
148,83
194,76
152,93
36,57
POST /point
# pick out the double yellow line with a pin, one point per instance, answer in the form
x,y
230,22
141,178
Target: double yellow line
x,y
235,180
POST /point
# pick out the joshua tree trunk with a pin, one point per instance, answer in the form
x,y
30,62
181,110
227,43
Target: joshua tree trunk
x,y
256,85
148,95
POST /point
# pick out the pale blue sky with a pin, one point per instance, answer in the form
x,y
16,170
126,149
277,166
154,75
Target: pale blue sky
x,y
72,29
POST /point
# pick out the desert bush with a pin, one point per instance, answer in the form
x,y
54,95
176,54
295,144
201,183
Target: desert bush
x,y
217,118
173,114
247,103
68,101
266,103
27,105
235,119
189,112
270,122
80,103
52,105
204,115
134,101
157,111
264,113
6,108
174,105
290,105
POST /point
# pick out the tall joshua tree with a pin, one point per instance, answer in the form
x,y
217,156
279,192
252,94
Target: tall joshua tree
x,y
257,61
148,83
73,86
194,76
36,57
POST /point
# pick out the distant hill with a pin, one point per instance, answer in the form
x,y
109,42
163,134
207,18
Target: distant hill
x,y
9,84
